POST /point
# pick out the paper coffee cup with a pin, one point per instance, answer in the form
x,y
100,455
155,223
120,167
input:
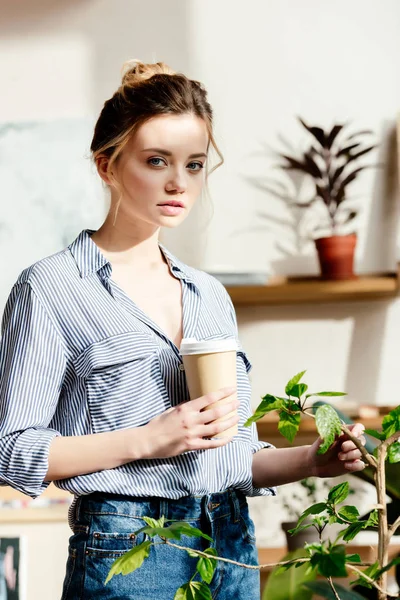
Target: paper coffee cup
x,y
209,366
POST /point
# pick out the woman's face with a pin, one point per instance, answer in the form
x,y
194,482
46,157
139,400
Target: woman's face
x,y
162,170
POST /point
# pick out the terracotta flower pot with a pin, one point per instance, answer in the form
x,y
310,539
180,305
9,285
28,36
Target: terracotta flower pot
x,y
336,256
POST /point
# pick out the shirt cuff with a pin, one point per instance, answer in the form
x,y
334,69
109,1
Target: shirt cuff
x,y
29,463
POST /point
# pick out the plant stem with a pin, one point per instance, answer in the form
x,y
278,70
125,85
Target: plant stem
x,y
333,588
383,534
371,581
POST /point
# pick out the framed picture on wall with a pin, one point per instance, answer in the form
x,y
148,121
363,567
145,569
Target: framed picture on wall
x,y
10,568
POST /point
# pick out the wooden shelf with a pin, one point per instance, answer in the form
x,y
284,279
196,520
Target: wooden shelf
x,y
296,290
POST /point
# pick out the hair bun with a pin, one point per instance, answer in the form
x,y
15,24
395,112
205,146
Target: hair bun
x,y
134,71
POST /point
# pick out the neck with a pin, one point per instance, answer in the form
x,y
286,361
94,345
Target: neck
x,y
127,246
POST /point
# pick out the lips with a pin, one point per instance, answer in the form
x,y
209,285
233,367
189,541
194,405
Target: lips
x,y
173,203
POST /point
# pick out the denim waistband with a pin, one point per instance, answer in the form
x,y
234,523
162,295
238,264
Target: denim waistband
x,y
187,508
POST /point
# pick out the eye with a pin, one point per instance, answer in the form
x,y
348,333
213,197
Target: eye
x,y
154,163
195,166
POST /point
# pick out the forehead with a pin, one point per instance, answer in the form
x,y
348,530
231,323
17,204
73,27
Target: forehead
x,y
173,133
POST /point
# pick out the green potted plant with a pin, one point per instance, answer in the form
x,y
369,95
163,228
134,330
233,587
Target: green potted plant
x,y
326,557
332,162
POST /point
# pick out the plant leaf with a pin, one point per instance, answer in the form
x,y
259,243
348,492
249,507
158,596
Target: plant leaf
x,y
317,132
391,422
394,452
331,394
352,530
294,381
193,590
154,522
289,424
353,558
267,404
130,561
339,493
347,149
331,563
339,193
314,509
336,129
349,513
376,434
298,390
328,426
183,528
206,566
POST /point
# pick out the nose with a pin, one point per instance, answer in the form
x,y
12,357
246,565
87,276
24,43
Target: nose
x,y
177,183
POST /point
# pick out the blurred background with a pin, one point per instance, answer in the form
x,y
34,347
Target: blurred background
x,y
264,63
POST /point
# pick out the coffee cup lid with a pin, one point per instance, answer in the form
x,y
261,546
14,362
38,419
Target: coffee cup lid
x,y
194,346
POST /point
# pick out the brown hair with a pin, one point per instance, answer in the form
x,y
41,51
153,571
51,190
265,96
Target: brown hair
x,y
147,90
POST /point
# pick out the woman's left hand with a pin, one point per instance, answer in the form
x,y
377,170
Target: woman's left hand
x,y
342,457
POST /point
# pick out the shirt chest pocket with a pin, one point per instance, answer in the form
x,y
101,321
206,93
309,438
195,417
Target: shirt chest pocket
x,y
123,381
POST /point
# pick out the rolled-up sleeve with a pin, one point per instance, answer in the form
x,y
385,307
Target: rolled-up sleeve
x,y
32,368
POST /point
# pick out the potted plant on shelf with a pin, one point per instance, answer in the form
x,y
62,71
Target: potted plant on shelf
x,y
332,161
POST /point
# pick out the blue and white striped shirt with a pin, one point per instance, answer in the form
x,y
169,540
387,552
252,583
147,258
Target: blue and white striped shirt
x,y
78,357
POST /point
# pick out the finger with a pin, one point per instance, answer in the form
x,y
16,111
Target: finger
x,y
348,456
212,414
356,465
207,399
357,429
217,427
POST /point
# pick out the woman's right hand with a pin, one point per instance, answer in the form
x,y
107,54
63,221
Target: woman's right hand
x,y
185,427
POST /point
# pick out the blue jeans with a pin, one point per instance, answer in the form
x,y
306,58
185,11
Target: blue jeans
x,y
104,530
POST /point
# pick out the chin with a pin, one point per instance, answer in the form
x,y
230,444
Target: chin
x,y
172,222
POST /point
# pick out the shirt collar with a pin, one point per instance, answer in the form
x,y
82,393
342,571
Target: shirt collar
x,y
89,259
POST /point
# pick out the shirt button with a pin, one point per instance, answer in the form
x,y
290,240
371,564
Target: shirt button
x,y
182,367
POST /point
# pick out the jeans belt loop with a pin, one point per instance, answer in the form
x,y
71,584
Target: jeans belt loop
x,y
235,505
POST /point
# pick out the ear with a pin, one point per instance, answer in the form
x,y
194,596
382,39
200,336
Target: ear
x,y
102,168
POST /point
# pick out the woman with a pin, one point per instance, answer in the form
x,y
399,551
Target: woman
x,y
93,389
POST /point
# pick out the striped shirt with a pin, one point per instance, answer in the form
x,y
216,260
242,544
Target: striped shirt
x,y
78,357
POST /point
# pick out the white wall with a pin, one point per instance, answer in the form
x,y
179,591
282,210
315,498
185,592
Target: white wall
x,y
263,63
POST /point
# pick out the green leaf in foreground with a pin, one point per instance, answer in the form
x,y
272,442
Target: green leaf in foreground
x,y
294,381
376,434
314,509
394,452
349,513
353,558
352,530
289,424
339,493
130,561
331,563
194,590
267,404
174,531
154,522
298,390
327,394
206,566
328,426
391,422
